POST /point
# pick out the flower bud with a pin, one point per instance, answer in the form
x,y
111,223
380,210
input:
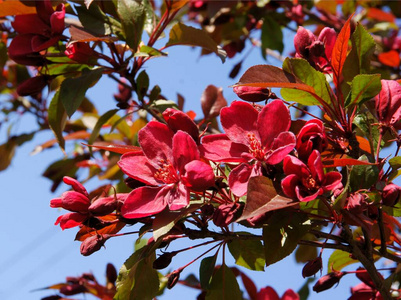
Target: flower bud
x,y
103,206
164,260
111,273
225,214
391,194
80,52
173,278
312,267
73,289
252,94
93,244
54,297
327,281
356,203
72,201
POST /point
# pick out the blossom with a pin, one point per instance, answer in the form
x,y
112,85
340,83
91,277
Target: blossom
x,y
388,104
391,194
316,50
169,164
252,139
80,52
306,182
311,137
268,293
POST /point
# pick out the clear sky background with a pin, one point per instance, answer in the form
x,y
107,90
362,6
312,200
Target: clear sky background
x,y
34,253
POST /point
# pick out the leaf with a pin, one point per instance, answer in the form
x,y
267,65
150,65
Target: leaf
x,y
224,285
363,176
147,51
82,134
248,253
132,14
142,84
340,49
271,35
303,292
177,4
282,233
182,34
343,162
86,231
212,101
116,148
339,260
249,286
57,118
7,151
81,35
102,120
73,90
161,105
137,279
390,58
364,87
380,15
395,162
358,60
14,8
262,197
206,270
316,80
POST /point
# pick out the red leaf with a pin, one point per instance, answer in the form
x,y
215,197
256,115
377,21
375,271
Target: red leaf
x,y
342,162
340,49
86,232
116,148
78,135
249,286
80,35
390,58
380,15
13,8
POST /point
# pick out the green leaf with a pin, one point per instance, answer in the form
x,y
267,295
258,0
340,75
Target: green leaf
x,y
3,54
282,233
182,34
206,270
339,260
303,292
364,122
57,118
271,36
102,120
7,151
224,286
302,70
358,60
137,279
262,197
395,162
248,253
363,176
161,105
151,18
132,14
364,87
142,84
147,51
73,90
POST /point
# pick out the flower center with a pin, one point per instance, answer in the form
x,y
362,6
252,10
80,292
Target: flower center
x,y
166,173
255,147
310,183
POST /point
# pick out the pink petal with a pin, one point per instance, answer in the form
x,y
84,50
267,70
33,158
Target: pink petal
x,y
184,150
316,166
388,102
302,40
288,185
57,20
218,147
267,293
156,140
177,120
137,166
290,295
307,198
293,165
282,145
176,196
70,220
273,120
76,185
332,180
239,177
75,201
239,120
328,36
143,202
198,176
31,23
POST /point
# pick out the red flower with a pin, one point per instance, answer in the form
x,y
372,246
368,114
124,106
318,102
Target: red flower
x,y
306,182
311,137
251,138
170,164
80,52
268,293
388,104
316,50
178,120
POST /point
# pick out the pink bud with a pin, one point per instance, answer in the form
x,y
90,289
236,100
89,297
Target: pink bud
x,y
391,194
93,244
103,206
80,52
327,281
312,267
252,94
225,214
57,20
111,273
73,289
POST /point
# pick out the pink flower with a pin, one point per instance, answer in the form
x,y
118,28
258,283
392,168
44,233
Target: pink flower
x,y
388,104
170,164
268,293
306,182
178,120
80,52
316,50
253,139
311,137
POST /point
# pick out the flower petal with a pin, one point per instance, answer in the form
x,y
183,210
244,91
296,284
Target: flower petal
x,y
274,119
198,176
175,196
239,177
328,36
308,197
76,185
218,147
177,120
239,120
332,180
70,220
316,166
184,150
143,202
282,145
293,165
156,140
288,185
137,166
